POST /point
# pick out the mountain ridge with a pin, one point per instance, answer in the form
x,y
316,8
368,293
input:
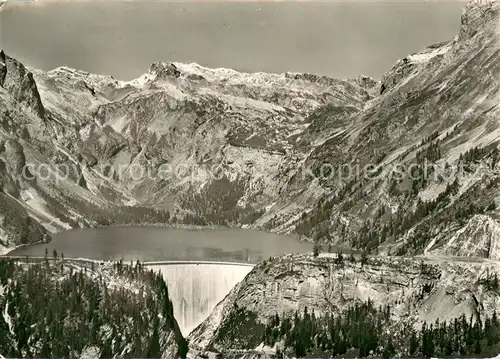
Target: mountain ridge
x,y
444,84
99,124
269,134
405,170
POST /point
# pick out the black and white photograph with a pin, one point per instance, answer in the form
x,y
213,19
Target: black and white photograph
x,y
249,179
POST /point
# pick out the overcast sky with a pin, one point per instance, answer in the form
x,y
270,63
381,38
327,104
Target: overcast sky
x,y
339,39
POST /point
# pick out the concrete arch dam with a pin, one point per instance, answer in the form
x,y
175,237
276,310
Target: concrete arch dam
x,y
197,264
195,288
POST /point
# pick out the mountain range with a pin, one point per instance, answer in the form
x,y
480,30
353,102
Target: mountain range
x,y
405,170
404,165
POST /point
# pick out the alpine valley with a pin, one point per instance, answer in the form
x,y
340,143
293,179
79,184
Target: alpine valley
x,y
188,145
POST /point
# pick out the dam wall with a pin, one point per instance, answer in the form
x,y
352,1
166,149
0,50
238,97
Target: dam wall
x,y
196,288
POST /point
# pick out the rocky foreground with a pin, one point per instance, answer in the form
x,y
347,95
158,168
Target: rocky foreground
x,y
415,290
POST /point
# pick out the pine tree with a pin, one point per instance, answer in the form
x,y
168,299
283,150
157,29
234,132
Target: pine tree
x,y
413,344
389,349
477,347
154,349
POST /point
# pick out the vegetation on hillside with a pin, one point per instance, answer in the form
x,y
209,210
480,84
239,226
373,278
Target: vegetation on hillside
x,y
60,308
363,330
450,207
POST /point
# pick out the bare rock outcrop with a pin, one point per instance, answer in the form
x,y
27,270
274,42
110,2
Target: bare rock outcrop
x,y
19,81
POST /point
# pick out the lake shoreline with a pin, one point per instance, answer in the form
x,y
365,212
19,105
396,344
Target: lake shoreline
x,y
5,251
166,242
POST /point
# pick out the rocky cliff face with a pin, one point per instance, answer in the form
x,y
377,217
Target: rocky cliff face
x,y
417,289
17,227
34,193
15,78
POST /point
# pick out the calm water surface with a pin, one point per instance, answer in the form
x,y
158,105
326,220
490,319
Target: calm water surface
x,y
160,243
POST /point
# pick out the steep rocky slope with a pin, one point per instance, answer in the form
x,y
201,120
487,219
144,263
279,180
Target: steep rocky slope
x,y
418,163
206,144
416,289
164,135
34,189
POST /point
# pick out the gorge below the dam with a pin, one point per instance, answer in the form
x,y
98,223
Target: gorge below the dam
x,y
200,266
